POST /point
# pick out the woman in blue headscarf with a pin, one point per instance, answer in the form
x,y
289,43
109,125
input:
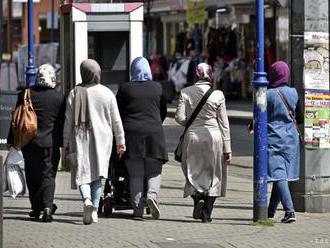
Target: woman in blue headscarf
x,y
142,107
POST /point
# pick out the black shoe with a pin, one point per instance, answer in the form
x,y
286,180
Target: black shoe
x,y
54,208
206,220
271,215
47,216
197,213
34,214
289,217
139,218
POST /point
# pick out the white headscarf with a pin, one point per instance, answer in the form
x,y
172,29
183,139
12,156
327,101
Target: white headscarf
x,y
46,76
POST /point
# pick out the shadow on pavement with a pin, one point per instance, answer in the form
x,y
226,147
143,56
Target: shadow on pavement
x,y
73,222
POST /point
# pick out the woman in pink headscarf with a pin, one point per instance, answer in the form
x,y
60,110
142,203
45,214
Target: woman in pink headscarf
x,y
206,146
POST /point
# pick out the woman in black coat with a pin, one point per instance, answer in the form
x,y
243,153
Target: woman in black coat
x,y
142,107
42,153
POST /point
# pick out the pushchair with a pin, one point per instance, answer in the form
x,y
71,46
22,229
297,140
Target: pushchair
x,y
116,189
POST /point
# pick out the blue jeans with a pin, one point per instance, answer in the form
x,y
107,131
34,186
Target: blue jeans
x,y
280,193
92,191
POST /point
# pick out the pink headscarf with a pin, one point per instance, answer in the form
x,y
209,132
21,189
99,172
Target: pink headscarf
x,y
204,71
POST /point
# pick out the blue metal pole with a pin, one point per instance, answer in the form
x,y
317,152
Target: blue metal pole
x,y
31,69
260,122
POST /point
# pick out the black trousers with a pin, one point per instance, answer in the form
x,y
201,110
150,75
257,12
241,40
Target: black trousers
x,y
208,204
40,171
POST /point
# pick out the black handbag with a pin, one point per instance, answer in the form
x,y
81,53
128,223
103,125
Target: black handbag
x,y
178,150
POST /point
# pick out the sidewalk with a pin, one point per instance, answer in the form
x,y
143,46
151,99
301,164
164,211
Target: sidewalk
x,y
231,226
239,111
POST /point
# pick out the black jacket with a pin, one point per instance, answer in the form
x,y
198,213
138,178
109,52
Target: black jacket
x,y
142,106
49,105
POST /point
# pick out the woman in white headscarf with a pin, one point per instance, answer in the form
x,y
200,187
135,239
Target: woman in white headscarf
x,y
42,153
206,146
91,121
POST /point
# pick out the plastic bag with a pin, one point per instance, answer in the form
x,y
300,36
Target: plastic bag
x,y
13,157
14,179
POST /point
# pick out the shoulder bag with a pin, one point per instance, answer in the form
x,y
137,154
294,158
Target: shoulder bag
x,y
291,112
178,150
24,121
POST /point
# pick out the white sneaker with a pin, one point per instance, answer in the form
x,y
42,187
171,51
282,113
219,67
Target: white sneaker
x,y
95,216
88,209
154,209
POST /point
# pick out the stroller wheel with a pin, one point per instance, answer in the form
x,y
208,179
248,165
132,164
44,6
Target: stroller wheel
x,y
99,211
107,210
148,210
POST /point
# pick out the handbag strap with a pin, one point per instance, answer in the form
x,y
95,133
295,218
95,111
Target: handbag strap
x,y
198,109
27,96
291,112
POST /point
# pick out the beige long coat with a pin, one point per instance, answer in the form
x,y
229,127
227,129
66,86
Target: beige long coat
x,y
206,140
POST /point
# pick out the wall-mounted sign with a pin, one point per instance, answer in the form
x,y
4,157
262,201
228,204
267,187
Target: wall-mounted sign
x,y
317,119
316,60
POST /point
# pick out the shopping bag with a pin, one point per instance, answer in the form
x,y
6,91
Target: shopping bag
x,y
14,156
15,180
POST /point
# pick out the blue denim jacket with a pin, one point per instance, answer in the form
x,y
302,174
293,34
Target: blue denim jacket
x,y
283,139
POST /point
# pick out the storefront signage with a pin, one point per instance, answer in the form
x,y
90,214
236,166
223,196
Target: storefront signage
x,y
317,119
25,1
196,12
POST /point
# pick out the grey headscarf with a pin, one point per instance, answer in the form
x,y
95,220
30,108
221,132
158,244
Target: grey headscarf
x,y
90,71
91,75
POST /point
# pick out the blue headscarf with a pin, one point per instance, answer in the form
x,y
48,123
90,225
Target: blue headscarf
x,y
140,70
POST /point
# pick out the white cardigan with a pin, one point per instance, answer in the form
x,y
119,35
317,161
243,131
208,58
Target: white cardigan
x,y
93,147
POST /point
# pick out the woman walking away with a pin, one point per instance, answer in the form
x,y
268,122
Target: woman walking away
x,y
143,108
283,140
42,153
206,146
91,120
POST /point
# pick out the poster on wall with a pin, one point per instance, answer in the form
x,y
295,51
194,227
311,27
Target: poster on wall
x,y
316,60
317,119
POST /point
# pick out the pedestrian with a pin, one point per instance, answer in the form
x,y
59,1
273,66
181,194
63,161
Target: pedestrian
x,y
91,121
42,153
206,146
142,106
283,140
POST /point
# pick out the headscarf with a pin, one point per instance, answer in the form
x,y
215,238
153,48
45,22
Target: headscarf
x,y
46,76
279,73
140,70
90,71
204,71
90,74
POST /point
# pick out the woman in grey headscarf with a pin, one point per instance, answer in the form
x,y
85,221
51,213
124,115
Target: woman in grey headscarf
x,y
91,120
